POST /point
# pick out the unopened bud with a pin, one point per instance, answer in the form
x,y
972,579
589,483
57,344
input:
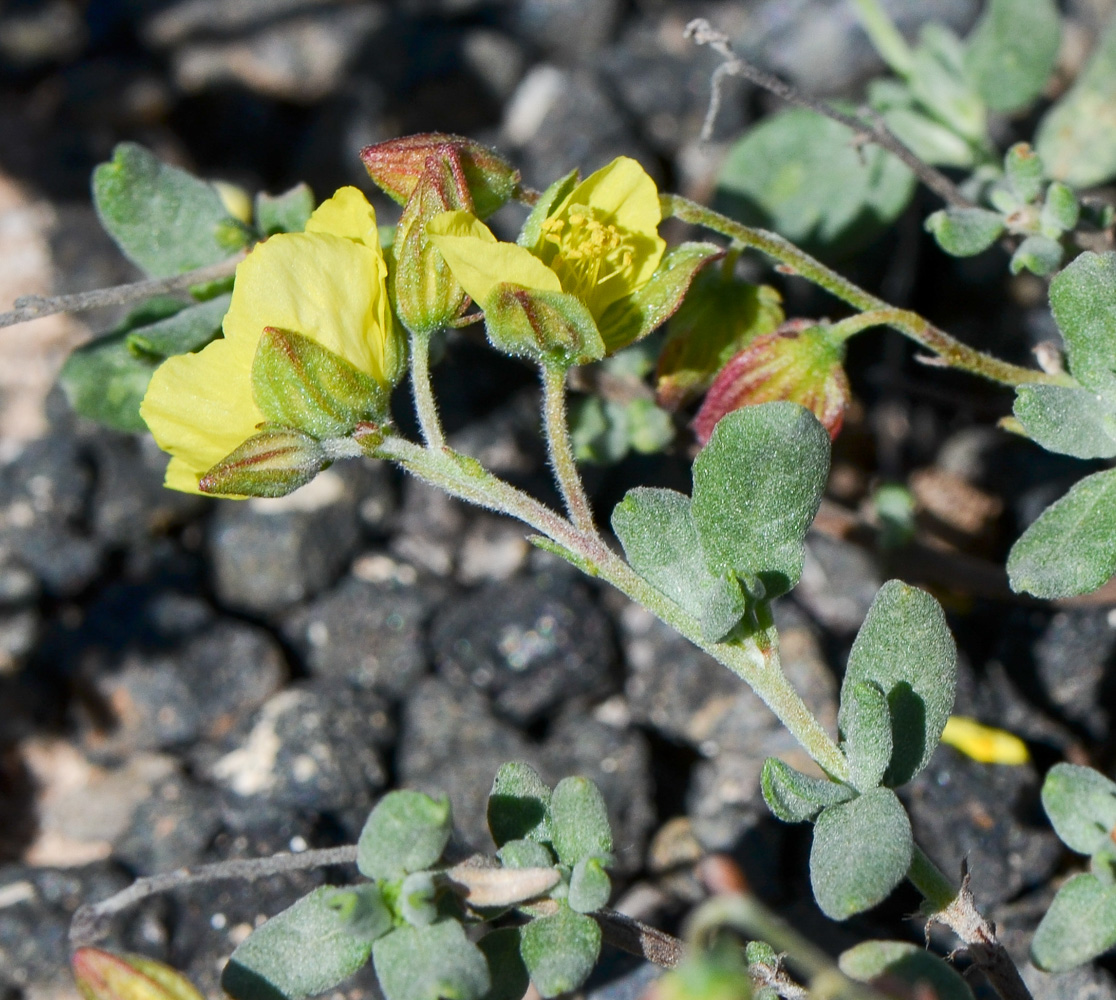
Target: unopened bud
x,y
272,463
395,166
101,975
545,326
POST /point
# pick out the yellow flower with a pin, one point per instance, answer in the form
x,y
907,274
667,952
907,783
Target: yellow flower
x,y
983,743
598,242
327,283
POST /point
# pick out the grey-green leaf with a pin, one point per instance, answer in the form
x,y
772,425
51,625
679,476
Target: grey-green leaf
x,y
861,851
1060,210
579,825
1081,804
517,805
106,382
907,963
757,486
525,854
1011,51
406,832
560,951
1066,420
906,648
165,220
284,213
510,978
1038,254
429,963
418,903
1077,136
1083,300
301,952
1024,172
795,797
590,886
656,529
965,232
865,722
187,330
1071,548
362,910
1080,924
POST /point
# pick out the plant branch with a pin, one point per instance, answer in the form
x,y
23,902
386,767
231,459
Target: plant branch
x,y
561,451
426,407
949,350
29,307
90,922
874,130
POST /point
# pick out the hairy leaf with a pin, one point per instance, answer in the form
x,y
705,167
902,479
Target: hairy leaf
x,y
795,797
1080,924
579,825
1083,300
1081,804
866,726
907,963
1011,51
590,886
1067,420
560,951
406,832
284,213
429,963
517,805
965,232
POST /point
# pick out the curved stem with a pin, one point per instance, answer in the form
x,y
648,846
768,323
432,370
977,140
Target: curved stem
x,y
561,451
425,405
951,351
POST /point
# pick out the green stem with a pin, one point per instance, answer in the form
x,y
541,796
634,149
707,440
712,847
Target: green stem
x,y
561,451
758,665
838,333
952,352
425,405
929,879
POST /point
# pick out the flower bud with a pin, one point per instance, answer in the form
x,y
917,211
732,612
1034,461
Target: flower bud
x,y
104,976
799,362
272,463
545,326
395,166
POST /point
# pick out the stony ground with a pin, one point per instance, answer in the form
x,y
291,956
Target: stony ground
x,y
185,681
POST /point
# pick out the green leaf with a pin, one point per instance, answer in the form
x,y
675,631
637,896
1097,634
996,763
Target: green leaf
x,y
510,978
1079,926
861,851
406,832
965,232
1024,172
1083,300
1076,138
757,486
517,805
939,83
1038,254
186,331
560,951
906,648
1081,804
430,962
656,529
163,219
1060,211
803,176
284,213
1066,420
908,963
590,886
525,854
301,952
795,797
1071,548
362,911
927,138
417,899
579,825
866,726
1011,51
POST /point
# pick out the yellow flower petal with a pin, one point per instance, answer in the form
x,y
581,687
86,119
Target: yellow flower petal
x,y
983,743
481,263
347,214
624,192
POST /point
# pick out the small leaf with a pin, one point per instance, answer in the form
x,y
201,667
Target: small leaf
x,y
1011,51
579,825
795,797
429,963
277,960
284,213
906,648
362,911
510,978
656,529
1060,210
525,854
1038,254
865,722
1081,804
939,82
861,851
517,805
908,963
559,950
590,886
1079,926
406,832
106,382
757,487
417,899
1071,548
164,219
965,232
1083,300
1066,420
1024,172
188,330
926,137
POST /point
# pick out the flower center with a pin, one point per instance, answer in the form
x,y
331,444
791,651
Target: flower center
x,y
586,251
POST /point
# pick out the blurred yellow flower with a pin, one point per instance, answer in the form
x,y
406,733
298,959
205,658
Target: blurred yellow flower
x,y
327,283
983,743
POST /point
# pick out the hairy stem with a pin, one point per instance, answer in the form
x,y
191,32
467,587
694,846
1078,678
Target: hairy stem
x,y
951,351
426,407
560,450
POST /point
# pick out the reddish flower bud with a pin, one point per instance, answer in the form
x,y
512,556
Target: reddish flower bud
x,y
101,975
272,463
396,166
799,362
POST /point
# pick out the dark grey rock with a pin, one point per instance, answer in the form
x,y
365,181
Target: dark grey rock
x,y
724,800
530,643
989,814
367,635
839,582
628,981
19,631
171,828
568,29
429,528
1073,660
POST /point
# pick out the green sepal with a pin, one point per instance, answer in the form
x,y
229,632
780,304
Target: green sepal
x,y
548,327
795,797
406,832
560,950
274,462
531,232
